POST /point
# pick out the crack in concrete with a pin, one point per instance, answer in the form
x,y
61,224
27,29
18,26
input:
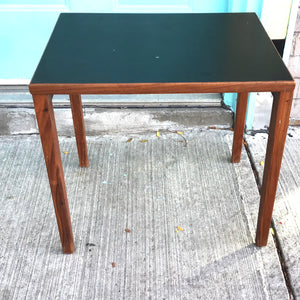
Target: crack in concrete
x,y
282,262
273,227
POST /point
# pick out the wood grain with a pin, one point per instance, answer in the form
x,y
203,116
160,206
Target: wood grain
x,y
162,88
239,126
76,106
277,134
48,134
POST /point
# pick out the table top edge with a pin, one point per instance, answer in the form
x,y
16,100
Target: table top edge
x,y
161,88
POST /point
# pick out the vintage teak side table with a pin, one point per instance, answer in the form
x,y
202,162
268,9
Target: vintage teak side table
x,y
160,53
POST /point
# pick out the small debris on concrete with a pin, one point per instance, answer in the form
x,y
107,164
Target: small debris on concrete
x,y
218,128
158,134
143,141
65,152
181,134
113,264
129,140
127,230
179,228
262,163
90,245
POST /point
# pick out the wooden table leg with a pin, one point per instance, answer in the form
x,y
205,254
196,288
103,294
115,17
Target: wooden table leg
x,y
48,133
78,121
277,134
239,127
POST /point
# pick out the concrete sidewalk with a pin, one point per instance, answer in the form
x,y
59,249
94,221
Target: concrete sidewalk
x,y
150,188
286,214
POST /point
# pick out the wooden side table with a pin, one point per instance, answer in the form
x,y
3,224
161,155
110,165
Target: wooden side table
x,y
160,53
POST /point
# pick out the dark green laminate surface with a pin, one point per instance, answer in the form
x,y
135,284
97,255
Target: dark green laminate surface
x,y
139,48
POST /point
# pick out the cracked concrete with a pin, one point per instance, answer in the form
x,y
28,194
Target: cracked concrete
x,y
117,120
150,188
286,214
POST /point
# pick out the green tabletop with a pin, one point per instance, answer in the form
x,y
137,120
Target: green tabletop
x,y
140,48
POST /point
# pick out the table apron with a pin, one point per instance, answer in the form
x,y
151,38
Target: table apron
x,y
161,88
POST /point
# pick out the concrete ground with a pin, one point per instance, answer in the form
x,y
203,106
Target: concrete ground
x,y
191,216
286,215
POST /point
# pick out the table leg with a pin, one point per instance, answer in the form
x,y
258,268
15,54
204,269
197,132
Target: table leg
x,y
277,134
239,127
48,133
76,106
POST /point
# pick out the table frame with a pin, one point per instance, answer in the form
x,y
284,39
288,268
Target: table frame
x,y
42,97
